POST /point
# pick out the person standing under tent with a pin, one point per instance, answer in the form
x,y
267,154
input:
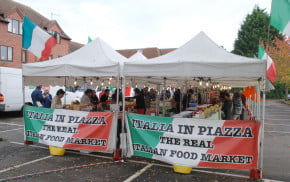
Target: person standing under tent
x,y
140,102
94,100
114,96
37,97
199,98
56,102
187,98
237,106
177,97
244,105
47,99
152,93
227,107
102,92
86,98
104,99
147,97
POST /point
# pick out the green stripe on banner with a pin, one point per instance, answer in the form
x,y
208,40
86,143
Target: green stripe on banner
x,y
34,119
146,130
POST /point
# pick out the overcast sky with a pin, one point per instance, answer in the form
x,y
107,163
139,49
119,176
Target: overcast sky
x,y
129,24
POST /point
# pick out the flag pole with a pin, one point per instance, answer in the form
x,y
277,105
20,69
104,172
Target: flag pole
x,y
261,156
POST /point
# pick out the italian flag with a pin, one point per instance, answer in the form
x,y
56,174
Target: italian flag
x,y
271,68
280,15
37,40
129,92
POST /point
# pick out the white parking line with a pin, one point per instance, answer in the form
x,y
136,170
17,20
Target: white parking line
x,y
278,115
11,130
277,119
26,163
282,132
12,124
138,173
150,164
277,124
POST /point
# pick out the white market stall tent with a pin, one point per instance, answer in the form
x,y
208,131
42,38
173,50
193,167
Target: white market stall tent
x,y
94,59
203,58
138,56
200,57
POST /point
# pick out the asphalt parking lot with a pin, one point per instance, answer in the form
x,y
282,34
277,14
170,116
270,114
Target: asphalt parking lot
x,y
19,162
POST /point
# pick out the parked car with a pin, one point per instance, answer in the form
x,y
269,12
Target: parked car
x,y
11,91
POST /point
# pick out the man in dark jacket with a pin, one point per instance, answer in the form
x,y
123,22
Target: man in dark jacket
x,y
227,107
140,102
37,97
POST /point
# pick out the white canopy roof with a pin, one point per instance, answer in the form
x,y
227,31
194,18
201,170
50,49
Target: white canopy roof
x,y
200,57
94,59
138,56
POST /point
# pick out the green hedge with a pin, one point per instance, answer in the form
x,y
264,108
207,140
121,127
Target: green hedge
x,y
278,92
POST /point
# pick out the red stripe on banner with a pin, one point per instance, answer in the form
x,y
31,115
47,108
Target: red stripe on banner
x,y
271,72
235,152
94,132
49,44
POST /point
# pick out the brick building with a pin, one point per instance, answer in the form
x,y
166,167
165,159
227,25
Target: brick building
x,y
11,20
11,52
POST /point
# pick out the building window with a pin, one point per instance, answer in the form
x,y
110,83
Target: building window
x,y
14,26
55,35
58,38
6,53
9,24
23,56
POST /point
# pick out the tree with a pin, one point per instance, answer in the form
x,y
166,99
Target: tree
x,y
253,30
279,51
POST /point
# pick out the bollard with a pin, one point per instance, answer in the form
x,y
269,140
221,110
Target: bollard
x,y
56,151
182,169
117,155
256,174
28,142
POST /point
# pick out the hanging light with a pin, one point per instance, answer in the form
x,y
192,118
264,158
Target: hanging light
x,y
75,82
218,86
207,84
200,83
102,83
110,78
109,82
136,86
91,82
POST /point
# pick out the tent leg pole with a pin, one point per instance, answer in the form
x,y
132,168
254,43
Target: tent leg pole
x,y
65,90
123,104
259,102
261,162
164,90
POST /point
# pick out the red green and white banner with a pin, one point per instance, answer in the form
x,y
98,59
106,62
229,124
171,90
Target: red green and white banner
x,y
195,142
94,131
